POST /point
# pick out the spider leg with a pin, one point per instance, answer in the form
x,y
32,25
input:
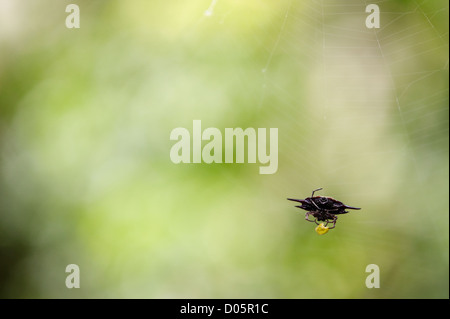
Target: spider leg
x,y
315,204
312,195
307,217
334,222
312,221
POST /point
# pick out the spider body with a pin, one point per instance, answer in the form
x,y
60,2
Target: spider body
x,y
322,208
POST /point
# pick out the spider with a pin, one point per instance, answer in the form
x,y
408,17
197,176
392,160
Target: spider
x,y
322,208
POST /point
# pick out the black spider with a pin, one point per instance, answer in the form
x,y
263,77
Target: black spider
x,y
322,208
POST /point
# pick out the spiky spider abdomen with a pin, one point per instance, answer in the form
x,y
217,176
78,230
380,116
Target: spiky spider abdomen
x,y
322,208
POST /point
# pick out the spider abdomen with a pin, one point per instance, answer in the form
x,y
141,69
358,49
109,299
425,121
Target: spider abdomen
x,y
322,208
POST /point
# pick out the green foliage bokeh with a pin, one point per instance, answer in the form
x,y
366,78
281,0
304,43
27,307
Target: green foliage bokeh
x,y
86,177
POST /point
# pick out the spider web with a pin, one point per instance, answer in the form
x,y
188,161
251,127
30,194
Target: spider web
x,y
372,80
376,115
361,112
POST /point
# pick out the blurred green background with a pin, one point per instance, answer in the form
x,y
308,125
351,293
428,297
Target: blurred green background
x,y
86,177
